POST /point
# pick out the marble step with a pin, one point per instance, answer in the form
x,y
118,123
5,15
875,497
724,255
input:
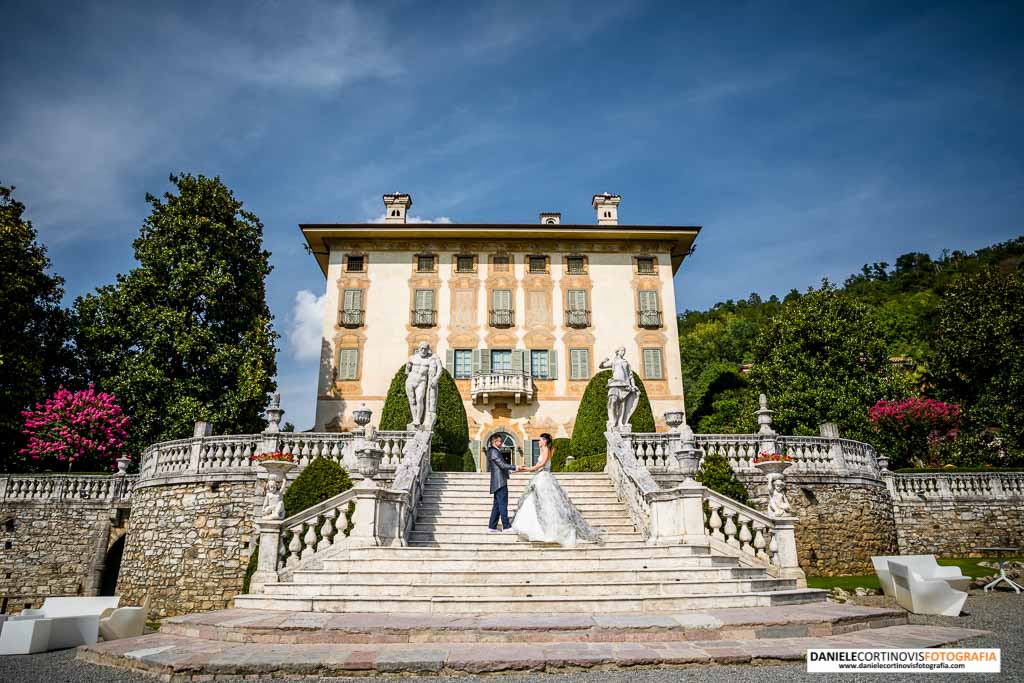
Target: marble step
x,y
649,589
637,550
484,508
525,578
464,539
454,519
531,605
612,526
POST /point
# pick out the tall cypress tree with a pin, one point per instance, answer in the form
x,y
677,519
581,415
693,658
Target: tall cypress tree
x,y
33,326
187,334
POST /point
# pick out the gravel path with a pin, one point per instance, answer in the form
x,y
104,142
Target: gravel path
x,y
1002,613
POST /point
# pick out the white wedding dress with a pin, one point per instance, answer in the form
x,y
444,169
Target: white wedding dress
x,y
546,515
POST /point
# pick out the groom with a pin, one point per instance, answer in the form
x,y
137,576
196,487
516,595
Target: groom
x,y
499,485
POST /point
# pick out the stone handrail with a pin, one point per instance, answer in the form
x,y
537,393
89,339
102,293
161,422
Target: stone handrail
x,y
955,486
758,536
677,515
209,454
327,517
811,454
409,482
102,487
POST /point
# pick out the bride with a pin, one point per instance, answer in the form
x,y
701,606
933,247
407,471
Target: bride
x,y
544,512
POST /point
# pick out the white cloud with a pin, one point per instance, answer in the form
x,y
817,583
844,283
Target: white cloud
x,y
305,326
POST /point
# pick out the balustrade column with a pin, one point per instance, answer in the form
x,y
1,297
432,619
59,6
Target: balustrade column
x,y
4,484
693,513
199,431
266,563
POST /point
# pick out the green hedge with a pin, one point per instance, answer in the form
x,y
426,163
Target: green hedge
x,y
451,431
469,461
716,474
588,463
592,416
320,480
447,462
563,449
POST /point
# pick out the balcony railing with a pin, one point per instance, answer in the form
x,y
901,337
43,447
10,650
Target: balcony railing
x,y
503,318
577,318
424,318
648,318
515,383
351,318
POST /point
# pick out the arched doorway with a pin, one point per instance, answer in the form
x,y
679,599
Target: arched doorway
x,y
112,567
509,448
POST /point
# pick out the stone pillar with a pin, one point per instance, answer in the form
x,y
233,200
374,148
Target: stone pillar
x,y
785,543
830,431
694,532
766,435
200,430
364,519
667,519
266,565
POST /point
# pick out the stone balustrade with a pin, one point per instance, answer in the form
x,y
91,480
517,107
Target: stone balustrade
x,y
233,453
108,488
517,384
669,516
956,486
810,454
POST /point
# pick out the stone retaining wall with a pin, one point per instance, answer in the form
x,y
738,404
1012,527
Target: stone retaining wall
x,y
189,545
53,548
954,528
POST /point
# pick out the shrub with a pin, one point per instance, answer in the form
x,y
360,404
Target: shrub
x,y
588,463
85,427
913,431
322,479
451,431
563,449
469,461
592,416
716,474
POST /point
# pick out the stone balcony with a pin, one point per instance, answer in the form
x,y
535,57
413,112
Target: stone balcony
x,y
503,383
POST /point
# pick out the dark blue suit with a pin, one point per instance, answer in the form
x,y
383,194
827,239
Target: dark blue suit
x,y
499,487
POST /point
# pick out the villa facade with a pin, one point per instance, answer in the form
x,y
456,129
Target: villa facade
x,y
520,314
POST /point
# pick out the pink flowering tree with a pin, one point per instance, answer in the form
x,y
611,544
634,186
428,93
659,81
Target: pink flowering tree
x,y
83,429
913,430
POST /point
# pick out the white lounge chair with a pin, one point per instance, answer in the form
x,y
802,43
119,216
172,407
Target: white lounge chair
x,y
60,623
925,565
123,622
921,595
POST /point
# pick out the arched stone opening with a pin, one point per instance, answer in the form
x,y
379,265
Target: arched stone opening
x,y
112,567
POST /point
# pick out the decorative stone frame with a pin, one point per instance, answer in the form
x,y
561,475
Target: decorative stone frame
x,y
527,270
636,265
361,254
348,339
416,262
475,268
586,265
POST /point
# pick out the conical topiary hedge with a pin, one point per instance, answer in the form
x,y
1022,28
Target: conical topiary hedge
x,y
592,417
451,431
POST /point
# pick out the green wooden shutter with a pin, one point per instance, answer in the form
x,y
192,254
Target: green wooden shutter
x,y
348,364
652,364
450,361
552,365
424,299
518,362
353,300
648,300
476,361
580,364
485,361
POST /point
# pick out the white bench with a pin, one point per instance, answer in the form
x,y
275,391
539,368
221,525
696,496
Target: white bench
x,y
924,595
924,565
60,623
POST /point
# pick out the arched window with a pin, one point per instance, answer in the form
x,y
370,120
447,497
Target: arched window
x,y
394,212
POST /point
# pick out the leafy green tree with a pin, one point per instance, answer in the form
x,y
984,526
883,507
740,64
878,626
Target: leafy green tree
x,y
187,334
822,359
34,326
451,431
978,356
721,401
592,416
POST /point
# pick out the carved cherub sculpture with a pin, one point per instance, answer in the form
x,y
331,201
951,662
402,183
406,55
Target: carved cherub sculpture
x,y
273,501
778,504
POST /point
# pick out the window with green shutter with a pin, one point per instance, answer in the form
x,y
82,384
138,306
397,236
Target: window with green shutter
x,y
501,360
577,299
579,363
648,300
649,314
348,364
652,364
463,363
539,364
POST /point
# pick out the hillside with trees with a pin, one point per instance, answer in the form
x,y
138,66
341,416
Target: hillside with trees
x,y
946,329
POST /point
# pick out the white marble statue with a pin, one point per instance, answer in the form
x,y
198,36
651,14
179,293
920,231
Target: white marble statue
x,y
423,372
778,504
623,394
273,501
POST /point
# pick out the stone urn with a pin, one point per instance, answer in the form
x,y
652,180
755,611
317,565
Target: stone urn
x,y
688,456
368,458
277,469
768,467
883,462
123,463
674,418
362,416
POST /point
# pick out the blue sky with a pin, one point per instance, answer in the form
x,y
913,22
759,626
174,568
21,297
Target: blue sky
x,y
806,139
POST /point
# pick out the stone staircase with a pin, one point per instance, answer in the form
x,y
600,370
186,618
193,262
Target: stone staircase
x,y
452,565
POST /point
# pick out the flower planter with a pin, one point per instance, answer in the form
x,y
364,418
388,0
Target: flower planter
x,y
277,469
768,467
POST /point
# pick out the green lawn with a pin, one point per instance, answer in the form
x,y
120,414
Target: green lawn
x,y
968,567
